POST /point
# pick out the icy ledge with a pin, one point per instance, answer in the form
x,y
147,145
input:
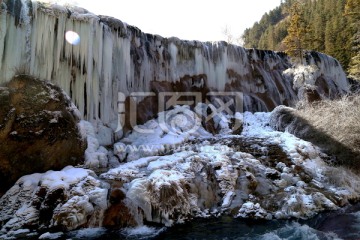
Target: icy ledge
x,y
261,174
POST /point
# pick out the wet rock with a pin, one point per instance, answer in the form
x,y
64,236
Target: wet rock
x,y
119,216
38,130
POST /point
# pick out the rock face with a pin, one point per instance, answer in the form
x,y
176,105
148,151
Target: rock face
x,y
38,129
114,57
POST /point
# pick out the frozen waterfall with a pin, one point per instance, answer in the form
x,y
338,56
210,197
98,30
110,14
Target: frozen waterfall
x,y
114,57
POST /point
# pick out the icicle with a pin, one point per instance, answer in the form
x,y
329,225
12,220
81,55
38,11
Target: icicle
x,y
26,20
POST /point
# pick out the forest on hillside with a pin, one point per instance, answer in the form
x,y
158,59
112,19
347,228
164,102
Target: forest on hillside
x,y
330,26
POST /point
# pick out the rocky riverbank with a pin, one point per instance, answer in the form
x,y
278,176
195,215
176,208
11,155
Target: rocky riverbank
x,y
260,174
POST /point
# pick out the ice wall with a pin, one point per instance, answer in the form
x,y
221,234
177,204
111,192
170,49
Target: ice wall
x,y
114,57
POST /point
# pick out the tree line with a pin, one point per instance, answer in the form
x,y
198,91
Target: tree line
x,y
328,26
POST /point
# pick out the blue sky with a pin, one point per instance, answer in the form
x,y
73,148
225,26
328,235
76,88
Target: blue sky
x,y
186,19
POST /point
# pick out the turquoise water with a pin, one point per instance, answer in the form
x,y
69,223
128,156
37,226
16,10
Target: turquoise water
x,y
341,224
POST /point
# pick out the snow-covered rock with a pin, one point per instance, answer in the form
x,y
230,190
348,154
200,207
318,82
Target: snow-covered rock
x,y
255,211
261,174
65,199
158,136
213,175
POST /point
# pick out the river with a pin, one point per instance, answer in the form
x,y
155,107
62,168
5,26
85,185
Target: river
x,y
340,224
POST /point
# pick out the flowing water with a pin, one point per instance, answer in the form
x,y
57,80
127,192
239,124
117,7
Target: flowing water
x,y
341,224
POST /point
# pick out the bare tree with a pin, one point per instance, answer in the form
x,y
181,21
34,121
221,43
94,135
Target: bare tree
x,y
229,38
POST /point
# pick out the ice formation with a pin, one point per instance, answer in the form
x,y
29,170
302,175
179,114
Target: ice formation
x,y
95,155
261,174
114,57
162,133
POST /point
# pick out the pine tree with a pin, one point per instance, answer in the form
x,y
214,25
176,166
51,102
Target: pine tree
x,y
330,37
327,29
352,10
295,40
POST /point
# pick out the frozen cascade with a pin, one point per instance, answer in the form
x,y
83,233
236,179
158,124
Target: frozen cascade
x,y
260,174
25,18
114,57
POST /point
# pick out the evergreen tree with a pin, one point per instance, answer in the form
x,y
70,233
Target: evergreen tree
x,y
327,29
330,37
295,40
352,11
352,8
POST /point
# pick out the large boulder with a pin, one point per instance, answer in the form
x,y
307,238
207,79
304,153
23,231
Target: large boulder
x,y
38,129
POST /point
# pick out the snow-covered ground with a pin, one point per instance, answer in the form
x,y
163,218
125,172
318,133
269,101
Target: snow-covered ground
x,y
179,174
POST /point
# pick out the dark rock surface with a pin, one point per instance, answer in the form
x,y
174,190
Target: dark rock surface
x,y
38,130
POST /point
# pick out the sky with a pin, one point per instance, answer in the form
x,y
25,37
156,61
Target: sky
x,y
203,20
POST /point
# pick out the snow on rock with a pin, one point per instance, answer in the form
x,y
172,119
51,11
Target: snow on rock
x,y
170,129
168,195
74,212
303,76
251,210
95,155
302,205
68,199
104,135
227,199
307,79
262,173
